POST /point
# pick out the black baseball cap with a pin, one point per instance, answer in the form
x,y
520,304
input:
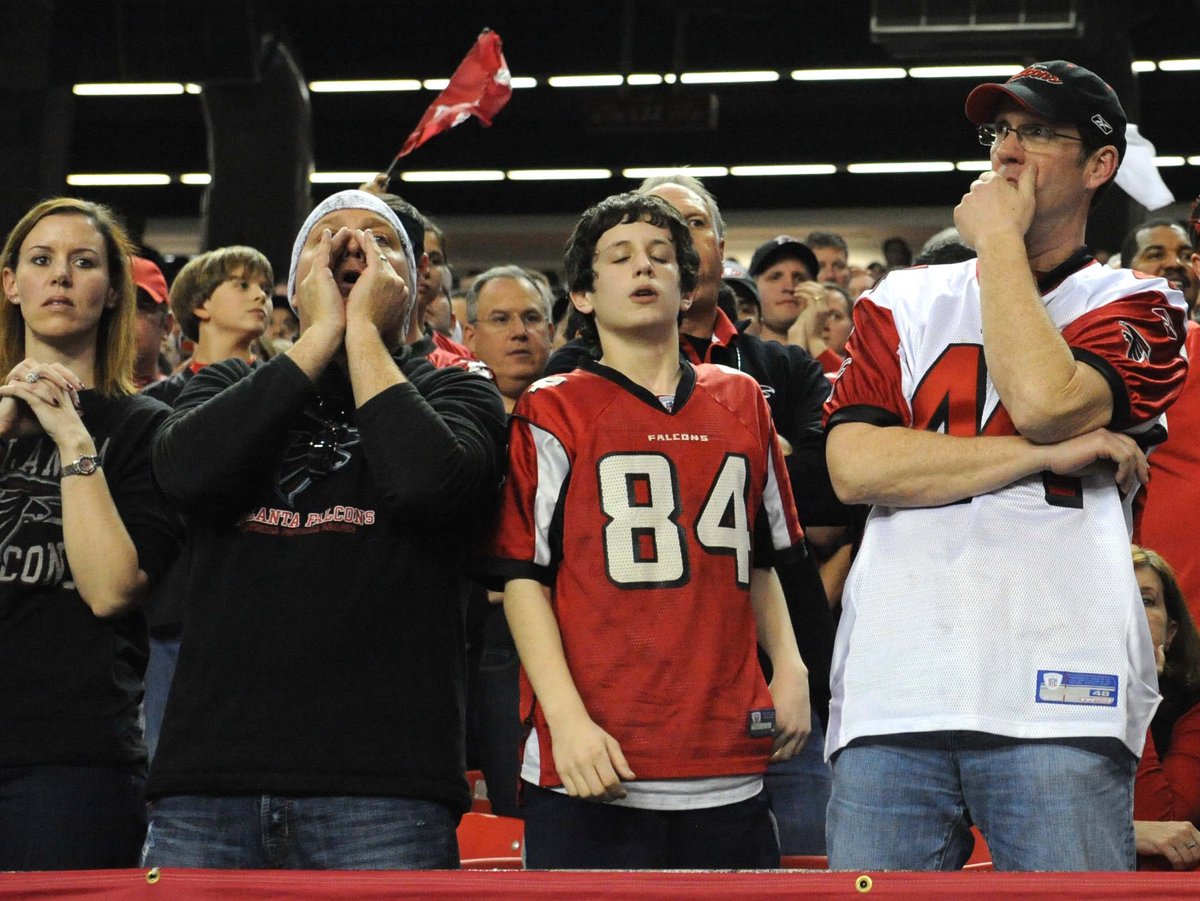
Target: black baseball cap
x,y
739,280
1058,91
783,247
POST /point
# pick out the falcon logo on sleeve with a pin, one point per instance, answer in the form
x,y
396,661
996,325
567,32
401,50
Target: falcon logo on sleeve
x,y
1166,321
1138,348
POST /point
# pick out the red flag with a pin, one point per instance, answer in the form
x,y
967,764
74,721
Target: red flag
x,y
479,87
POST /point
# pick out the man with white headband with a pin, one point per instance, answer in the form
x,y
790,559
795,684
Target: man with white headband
x,y
316,717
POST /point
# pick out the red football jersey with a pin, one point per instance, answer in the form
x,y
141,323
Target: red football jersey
x,y
647,524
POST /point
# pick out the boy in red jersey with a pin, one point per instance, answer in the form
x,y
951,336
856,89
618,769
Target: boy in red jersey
x,y
645,502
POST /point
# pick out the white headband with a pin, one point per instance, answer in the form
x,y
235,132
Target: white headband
x,y
352,200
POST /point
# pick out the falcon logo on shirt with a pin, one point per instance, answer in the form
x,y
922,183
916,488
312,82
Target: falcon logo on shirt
x,y
1138,348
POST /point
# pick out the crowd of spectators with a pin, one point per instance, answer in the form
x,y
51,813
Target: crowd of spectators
x,y
256,610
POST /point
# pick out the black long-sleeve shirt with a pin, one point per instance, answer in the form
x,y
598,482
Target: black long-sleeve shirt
x,y
323,646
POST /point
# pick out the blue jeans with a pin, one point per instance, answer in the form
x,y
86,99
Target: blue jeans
x,y
907,802
258,832
566,833
799,793
160,670
70,817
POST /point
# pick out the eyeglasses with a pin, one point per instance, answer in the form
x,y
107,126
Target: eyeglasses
x,y
1030,136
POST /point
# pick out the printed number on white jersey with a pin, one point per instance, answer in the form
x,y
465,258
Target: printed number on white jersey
x,y
645,546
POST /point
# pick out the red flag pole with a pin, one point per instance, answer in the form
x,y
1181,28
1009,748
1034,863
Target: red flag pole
x,y
479,87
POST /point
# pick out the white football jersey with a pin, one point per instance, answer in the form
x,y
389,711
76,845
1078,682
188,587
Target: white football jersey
x,y
1014,612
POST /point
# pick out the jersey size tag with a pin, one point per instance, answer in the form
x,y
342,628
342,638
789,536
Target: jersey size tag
x,y
1054,687
761,723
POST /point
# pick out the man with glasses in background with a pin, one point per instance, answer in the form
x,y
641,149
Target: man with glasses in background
x,y
316,717
991,665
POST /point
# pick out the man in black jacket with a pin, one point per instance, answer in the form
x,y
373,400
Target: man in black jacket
x,y
316,719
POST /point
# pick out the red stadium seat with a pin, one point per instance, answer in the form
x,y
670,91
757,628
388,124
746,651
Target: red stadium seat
x,y
479,792
490,842
981,857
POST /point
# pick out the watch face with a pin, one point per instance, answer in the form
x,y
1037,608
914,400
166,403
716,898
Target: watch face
x,y
86,465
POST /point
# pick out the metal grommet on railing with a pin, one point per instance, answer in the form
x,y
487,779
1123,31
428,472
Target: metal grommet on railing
x,y
863,883
152,876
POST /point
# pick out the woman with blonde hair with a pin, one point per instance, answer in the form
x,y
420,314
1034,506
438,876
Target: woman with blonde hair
x,y
83,533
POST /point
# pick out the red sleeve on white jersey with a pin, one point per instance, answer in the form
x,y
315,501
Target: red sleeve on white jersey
x,y
868,388
1134,343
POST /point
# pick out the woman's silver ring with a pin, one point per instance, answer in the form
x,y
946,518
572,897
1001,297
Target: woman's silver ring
x,y
32,377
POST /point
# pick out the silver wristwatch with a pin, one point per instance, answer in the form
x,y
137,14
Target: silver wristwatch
x,y
84,465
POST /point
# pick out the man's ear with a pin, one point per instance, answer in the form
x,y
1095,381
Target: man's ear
x,y
469,336
1102,166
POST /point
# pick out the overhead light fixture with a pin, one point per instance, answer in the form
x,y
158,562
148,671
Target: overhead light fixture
x,y
197,178
964,71
1179,65
897,168
1167,162
643,79
695,171
585,81
1143,65
728,77
364,85
341,178
451,175
670,78
847,74
973,165
522,81
128,89
557,174
435,84
1193,160
118,179
785,169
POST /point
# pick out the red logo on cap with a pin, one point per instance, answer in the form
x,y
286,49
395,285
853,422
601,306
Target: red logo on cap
x,y
1040,74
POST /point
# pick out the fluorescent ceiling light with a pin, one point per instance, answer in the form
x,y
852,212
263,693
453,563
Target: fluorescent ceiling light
x,y
696,171
197,178
727,77
973,165
364,85
670,78
897,168
128,89
190,88
1166,162
847,74
643,79
557,174
435,84
1194,160
1179,65
786,169
459,175
340,178
1143,65
963,71
585,81
118,179
522,81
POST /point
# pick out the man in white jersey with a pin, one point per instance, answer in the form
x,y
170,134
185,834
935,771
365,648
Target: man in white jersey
x,y
992,664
